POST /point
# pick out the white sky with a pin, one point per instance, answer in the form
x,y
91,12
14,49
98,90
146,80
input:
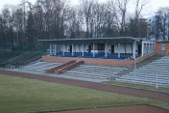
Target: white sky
x,y
150,9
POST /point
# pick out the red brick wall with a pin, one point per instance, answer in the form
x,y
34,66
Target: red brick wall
x,y
158,48
145,57
94,61
91,61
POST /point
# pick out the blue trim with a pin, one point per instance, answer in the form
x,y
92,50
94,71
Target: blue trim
x,y
97,55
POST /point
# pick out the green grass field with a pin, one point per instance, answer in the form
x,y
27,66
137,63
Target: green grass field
x,y
138,86
20,95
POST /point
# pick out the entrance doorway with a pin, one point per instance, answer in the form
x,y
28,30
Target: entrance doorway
x,y
90,47
70,49
112,49
139,49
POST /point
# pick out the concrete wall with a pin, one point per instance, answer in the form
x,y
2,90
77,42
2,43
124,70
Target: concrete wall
x,y
145,57
90,61
95,61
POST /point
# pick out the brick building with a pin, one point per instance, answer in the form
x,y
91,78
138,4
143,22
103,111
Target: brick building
x,y
162,47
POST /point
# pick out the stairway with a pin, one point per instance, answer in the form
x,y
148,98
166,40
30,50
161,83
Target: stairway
x,y
64,67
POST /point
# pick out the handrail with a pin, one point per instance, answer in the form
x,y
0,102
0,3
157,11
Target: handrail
x,y
69,67
59,67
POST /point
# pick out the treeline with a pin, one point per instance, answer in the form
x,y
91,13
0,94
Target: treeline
x,y
22,25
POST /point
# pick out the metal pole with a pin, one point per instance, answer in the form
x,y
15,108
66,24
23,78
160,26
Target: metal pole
x,y
134,69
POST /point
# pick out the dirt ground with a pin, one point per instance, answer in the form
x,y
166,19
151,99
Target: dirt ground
x,y
103,87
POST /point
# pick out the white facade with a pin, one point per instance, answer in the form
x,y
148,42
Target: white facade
x,y
124,48
133,50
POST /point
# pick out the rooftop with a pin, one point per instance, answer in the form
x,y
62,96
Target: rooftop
x,y
92,40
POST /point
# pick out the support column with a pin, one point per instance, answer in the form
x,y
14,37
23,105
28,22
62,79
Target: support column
x,y
83,49
142,49
64,48
150,48
147,48
50,49
134,50
105,50
93,49
72,49
118,50
55,49
153,47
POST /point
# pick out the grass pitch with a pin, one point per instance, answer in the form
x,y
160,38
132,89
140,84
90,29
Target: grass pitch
x,y
138,86
20,95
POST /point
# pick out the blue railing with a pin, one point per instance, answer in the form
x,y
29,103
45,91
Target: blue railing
x,y
97,55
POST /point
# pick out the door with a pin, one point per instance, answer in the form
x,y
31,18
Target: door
x,y
139,49
90,47
112,48
70,49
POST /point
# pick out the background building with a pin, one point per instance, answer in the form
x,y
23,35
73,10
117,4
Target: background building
x,y
142,27
158,27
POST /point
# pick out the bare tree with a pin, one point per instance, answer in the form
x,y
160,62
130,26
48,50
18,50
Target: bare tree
x,y
119,7
76,23
163,14
135,23
86,7
6,26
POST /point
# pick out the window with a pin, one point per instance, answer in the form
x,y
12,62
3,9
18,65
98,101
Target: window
x,y
100,47
163,47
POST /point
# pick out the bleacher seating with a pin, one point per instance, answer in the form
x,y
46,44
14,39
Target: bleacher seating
x,y
154,73
86,71
93,71
40,66
17,59
5,56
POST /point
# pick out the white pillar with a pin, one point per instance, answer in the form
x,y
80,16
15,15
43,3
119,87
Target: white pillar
x,y
83,49
142,49
150,49
134,49
118,50
50,49
55,49
153,47
72,49
93,49
64,48
105,50
147,48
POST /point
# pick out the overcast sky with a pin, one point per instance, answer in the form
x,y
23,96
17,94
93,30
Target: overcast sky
x,y
150,9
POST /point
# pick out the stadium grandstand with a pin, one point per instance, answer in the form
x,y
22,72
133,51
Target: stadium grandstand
x,y
103,59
